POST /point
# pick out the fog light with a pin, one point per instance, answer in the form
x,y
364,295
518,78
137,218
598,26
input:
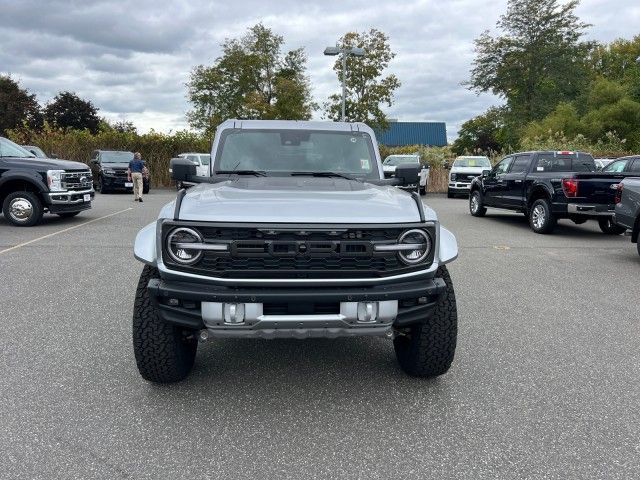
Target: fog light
x,y
174,302
423,300
367,312
234,313
204,335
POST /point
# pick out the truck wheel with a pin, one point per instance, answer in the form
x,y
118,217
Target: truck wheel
x,y
164,353
145,189
423,191
476,204
22,209
541,219
607,226
100,187
449,194
427,349
68,214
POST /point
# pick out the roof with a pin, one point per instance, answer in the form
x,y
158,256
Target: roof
x,y
414,133
296,125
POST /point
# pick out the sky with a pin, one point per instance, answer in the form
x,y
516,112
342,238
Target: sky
x,y
133,58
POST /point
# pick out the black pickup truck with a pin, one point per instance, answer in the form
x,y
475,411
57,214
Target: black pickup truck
x,y
548,186
29,186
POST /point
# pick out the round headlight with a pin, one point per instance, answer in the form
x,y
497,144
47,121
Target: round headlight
x,y
417,237
177,245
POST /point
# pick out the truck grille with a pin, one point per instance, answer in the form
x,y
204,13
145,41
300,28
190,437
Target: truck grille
x,y
81,180
295,252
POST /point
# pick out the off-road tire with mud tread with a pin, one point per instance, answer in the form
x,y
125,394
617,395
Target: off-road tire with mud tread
x,y
427,349
164,353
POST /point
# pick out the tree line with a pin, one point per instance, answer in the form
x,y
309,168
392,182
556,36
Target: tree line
x,y
557,87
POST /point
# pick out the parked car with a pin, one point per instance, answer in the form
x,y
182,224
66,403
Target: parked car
x,y
463,171
109,168
392,161
202,162
31,186
628,165
601,163
37,151
296,234
627,213
548,186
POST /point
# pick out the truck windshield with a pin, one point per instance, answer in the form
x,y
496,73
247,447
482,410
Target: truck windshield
x,y
282,152
116,157
395,160
10,149
480,162
561,162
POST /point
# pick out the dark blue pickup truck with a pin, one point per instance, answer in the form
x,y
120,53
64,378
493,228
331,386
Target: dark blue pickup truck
x,y
548,186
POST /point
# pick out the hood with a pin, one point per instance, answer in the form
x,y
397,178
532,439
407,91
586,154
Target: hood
x,y
477,170
297,200
47,163
114,166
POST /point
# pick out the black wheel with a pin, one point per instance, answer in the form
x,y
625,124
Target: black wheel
x,y
450,194
541,218
638,246
476,204
100,187
164,353
423,191
68,214
427,349
145,189
22,209
607,226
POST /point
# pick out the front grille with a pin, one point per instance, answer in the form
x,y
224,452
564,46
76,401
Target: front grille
x,y
81,180
296,252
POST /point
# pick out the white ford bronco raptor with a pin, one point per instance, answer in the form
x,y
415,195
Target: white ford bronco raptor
x,y
295,234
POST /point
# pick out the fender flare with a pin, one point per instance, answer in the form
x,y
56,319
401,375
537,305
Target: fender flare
x,y
11,175
537,187
144,248
447,246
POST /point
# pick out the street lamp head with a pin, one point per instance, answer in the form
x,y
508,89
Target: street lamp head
x,y
357,52
332,51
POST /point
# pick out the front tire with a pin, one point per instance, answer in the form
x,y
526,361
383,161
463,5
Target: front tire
x,y
23,209
164,353
607,226
423,191
450,194
541,218
476,204
427,349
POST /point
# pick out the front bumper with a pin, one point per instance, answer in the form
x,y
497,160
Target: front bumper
x,y
295,312
119,183
69,201
460,186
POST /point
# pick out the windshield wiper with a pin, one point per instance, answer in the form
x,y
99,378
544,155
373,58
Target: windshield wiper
x,y
257,173
323,174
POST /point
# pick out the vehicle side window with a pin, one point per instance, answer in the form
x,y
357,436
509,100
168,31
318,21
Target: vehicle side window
x,y
616,167
503,166
520,164
635,166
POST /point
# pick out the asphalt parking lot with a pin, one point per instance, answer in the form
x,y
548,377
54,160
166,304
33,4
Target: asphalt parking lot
x,y
546,381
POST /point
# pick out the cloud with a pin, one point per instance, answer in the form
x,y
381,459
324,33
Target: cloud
x,y
132,59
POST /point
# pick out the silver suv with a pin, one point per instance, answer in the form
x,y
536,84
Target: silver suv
x,y
295,234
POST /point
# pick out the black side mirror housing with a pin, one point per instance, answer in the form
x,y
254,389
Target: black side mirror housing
x,y
53,155
182,170
408,174
485,173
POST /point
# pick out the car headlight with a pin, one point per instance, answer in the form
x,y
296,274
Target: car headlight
x,y
54,180
178,242
421,243
452,177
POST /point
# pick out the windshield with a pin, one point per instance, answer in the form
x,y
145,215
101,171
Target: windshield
x,y
10,149
35,150
116,157
395,160
616,167
286,151
472,162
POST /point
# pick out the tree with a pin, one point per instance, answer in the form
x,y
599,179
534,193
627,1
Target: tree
x,y
70,112
17,106
366,89
537,62
252,79
485,133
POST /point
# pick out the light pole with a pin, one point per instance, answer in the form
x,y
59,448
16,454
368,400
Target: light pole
x,y
345,52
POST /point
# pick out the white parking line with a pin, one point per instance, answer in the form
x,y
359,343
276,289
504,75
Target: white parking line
x,y
20,245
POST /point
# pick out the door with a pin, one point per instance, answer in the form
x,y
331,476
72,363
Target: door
x,y
494,184
514,179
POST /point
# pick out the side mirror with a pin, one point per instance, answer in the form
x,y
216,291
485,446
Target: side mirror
x,y
182,170
408,174
53,155
446,166
485,173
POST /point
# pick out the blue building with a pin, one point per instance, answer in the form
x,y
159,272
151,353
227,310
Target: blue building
x,y
399,134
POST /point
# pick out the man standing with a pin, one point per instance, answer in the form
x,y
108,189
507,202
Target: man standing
x,y
136,167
